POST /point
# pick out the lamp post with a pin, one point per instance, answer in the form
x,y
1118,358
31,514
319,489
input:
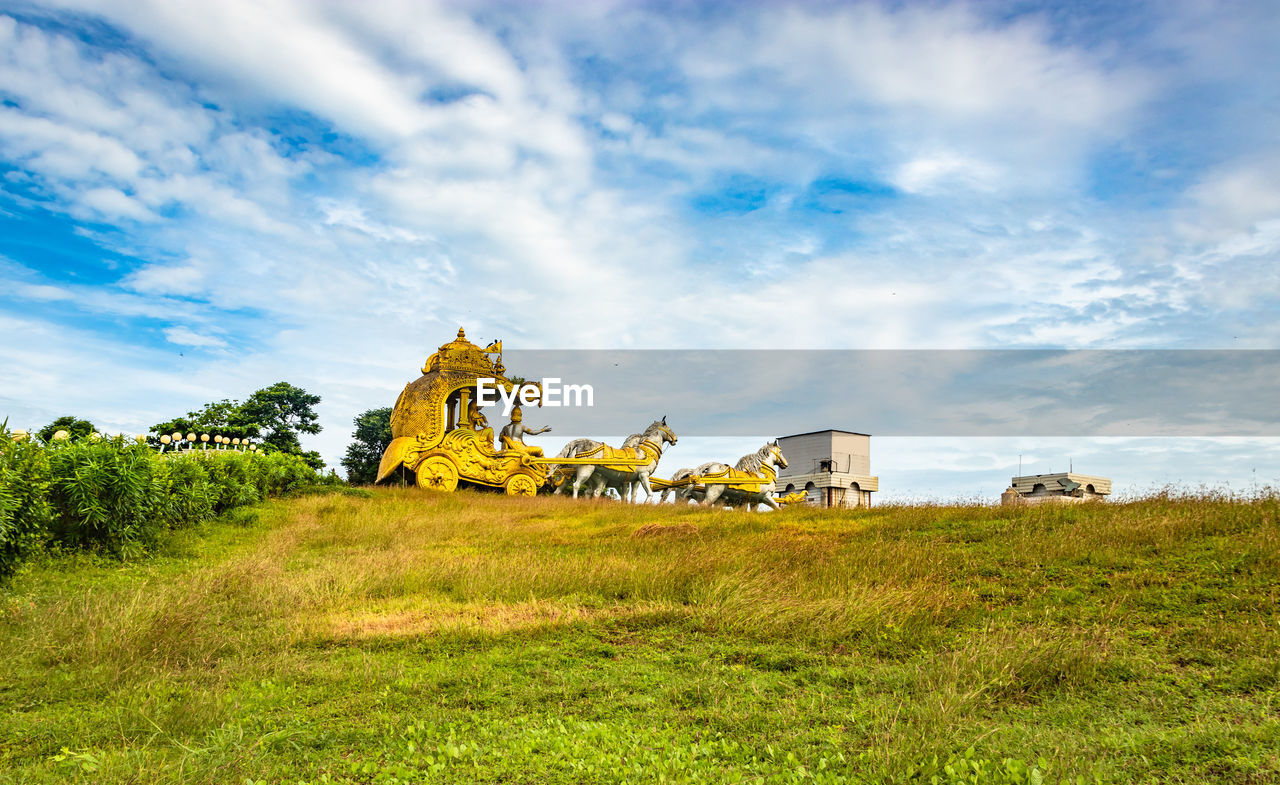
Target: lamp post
x,y
204,441
164,442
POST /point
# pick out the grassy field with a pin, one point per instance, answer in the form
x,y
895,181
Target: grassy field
x,y
409,637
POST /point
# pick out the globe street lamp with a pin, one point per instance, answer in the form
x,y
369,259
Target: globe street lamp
x,y
204,439
164,442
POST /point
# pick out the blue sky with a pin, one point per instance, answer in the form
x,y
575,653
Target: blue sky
x,y
199,199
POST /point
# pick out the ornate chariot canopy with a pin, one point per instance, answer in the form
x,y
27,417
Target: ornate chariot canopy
x,y
437,401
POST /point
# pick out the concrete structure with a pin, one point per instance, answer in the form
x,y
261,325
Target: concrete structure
x,y
1060,487
833,468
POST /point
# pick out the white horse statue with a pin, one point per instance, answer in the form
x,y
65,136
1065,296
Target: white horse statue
x,y
761,464
681,493
597,484
647,448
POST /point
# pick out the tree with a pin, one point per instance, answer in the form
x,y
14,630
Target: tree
x,y
275,415
281,412
372,435
78,428
214,418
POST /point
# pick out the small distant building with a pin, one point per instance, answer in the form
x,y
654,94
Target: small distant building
x,y
1061,487
832,468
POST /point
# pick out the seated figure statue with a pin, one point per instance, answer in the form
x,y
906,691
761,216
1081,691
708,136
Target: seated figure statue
x,y
479,423
513,433
478,420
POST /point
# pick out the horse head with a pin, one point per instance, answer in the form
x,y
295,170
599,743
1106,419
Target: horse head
x,y
659,430
775,454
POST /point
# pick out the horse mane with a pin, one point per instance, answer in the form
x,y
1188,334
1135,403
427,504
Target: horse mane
x,y
654,426
633,440
753,462
577,445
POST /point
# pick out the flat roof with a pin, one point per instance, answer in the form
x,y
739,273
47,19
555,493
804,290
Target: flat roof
x,y
1060,474
825,430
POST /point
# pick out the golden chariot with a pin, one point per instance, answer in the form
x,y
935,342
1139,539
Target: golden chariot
x,y
440,435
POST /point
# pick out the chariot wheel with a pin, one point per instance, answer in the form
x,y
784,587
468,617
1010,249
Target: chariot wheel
x,y
437,474
521,485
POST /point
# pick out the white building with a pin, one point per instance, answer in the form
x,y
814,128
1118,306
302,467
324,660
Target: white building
x,y
1060,487
832,467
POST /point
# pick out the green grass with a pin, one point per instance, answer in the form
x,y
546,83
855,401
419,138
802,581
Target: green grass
x,y
410,637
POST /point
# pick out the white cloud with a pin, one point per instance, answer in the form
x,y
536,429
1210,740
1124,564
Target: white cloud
x,y
42,292
282,51
113,203
938,171
166,279
185,336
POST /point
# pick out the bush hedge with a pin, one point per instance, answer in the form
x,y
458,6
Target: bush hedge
x,y
117,497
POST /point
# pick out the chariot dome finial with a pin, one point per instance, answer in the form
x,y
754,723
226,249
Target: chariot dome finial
x,y
461,333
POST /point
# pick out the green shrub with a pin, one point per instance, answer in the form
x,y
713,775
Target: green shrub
x,y
231,477
106,494
115,496
189,490
283,473
25,512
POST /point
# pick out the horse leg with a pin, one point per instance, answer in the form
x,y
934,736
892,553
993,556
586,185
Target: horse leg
x,y
714,492
643,481
581,476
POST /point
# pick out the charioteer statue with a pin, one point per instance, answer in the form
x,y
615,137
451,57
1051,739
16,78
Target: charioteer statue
x,y
512,435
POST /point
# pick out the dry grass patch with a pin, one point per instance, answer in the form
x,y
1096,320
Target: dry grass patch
x,y
420,618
